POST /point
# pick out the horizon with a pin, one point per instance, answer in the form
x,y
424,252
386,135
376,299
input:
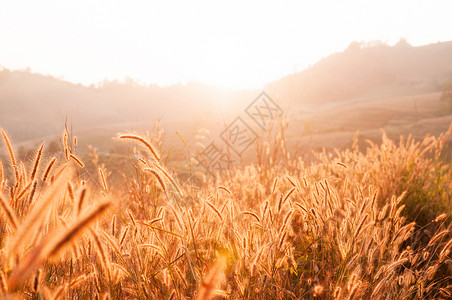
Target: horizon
x,y
126,79
84,43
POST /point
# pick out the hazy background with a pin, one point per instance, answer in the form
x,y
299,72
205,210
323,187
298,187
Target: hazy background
x,y
238,44
334,67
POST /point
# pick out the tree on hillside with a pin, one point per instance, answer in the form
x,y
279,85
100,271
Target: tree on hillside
x,y
403,43
53,147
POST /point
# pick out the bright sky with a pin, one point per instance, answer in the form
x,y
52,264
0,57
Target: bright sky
x,y
232,43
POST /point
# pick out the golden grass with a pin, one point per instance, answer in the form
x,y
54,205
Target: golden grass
x,y
349,226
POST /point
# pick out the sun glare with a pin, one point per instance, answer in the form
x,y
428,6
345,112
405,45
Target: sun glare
x,y
236,44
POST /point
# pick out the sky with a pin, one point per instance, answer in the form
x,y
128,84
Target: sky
x,y
238,44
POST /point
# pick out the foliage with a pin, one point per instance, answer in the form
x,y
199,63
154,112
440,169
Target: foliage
x,y
347,226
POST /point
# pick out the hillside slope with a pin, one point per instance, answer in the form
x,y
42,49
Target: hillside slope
x,y
370,71
33,106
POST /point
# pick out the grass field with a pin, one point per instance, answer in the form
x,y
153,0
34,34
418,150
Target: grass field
x,y
353,223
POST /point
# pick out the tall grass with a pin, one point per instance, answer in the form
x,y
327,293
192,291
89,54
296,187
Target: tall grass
x,y
353,224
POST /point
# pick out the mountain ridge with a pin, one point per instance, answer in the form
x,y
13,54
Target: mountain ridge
x,y
34,105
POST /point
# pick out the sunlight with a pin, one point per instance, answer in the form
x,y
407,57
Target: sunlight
x,y
280,149
238,44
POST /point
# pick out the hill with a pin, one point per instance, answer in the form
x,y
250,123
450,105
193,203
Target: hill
x,y
34,106
372,71
365,87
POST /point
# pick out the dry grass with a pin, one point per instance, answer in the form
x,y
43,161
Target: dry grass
x,y
352,225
